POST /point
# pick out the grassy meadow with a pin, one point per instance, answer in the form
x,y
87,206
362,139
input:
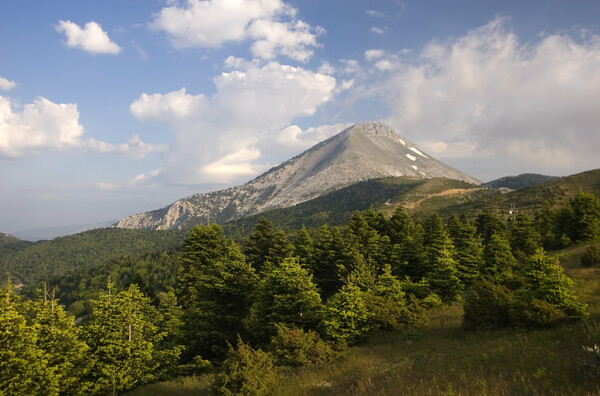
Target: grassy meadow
x,y
443,359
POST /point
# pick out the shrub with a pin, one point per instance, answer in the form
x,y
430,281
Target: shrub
x,y
591,257
535,313
487,306
245,371
296,347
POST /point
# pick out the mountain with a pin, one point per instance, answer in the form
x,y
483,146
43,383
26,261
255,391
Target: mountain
x,y
519,182
362,152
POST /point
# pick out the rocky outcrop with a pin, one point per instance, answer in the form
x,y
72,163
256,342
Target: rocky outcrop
x,y
362,152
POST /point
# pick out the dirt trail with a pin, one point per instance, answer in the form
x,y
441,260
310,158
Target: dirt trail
x,y
451,191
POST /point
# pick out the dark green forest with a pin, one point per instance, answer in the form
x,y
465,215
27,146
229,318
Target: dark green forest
x,y
243,309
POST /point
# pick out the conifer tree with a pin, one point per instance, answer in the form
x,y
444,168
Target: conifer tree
x,y
256,246
498,261
347,319
469,252
215,292
525,239
59,339
489,224
329,261
400,226
547,296
286,295
303,247
122,334
280,248
24,367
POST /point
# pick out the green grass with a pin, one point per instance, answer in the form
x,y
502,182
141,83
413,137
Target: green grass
x,y
442,359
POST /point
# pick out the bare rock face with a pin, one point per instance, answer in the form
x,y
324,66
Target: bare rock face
x,y
362,152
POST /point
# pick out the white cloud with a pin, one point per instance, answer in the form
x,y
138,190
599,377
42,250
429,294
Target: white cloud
x,y
374,54
379,30
374,13
534,103
6,85
45,125
221,138
298,139
106,186
133,148
91,38
270,24
40,125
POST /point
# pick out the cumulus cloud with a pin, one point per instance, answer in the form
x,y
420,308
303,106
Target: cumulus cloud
x,y
221,138
133,148
535,103
40,125
91,38
374,54
294,137
270,24
6,85
45,125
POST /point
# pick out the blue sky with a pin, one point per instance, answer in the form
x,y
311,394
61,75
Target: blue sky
x,y
109,108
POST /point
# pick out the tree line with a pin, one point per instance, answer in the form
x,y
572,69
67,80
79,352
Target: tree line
x,y
275,298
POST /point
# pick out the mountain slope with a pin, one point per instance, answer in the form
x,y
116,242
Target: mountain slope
x,y
362,152
519,182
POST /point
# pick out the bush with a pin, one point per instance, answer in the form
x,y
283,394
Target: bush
x,y
296,347
245,371
591,257
487,306
535,313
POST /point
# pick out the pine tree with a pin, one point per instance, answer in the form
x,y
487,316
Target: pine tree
x,y
547,296
443,278
215,292
122,334
469,252
24,367
498,261
400,226
347,319
286,295
59,339
303,247
280,248
256,246
327,262
489,224
525,239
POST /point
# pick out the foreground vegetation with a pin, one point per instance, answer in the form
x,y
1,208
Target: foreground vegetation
x,y
442,358
261,316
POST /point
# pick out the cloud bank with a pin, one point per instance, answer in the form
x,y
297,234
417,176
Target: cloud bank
x,y
228,136
486,93
45,125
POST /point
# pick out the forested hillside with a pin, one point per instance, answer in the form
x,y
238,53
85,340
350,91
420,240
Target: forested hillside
x,y
243,312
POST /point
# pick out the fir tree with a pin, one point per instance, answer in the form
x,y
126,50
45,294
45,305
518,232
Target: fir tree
x,y
24,367
122,334
347,318
215,292
469,252
303,247
256,246
498,261
286,295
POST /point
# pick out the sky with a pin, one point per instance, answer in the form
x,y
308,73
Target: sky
x,y
110,108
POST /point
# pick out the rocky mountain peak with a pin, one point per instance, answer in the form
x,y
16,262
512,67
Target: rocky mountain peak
x,y
362,152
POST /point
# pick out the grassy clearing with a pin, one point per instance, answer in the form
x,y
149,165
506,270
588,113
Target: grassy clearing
x,y
442,359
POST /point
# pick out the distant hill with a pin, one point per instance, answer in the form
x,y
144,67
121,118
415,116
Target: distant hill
x,y
528,200
519,182
32,262
362,152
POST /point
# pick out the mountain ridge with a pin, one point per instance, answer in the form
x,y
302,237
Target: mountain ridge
x,y
361,152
